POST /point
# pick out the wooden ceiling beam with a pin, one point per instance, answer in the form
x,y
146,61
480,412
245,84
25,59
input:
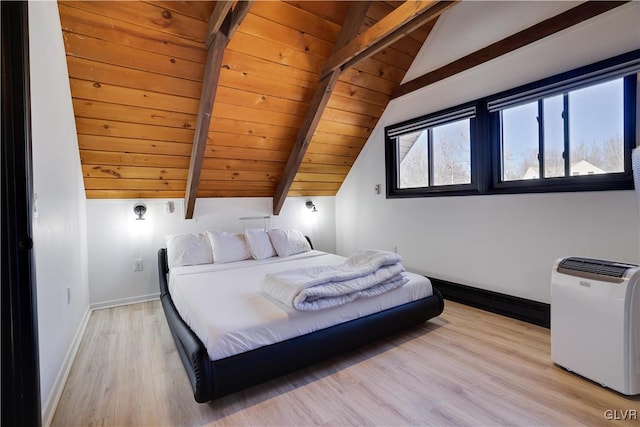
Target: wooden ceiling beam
x,y
224,26
529,35
218,15
350,28
405,19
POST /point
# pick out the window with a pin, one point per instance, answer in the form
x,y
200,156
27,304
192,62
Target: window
x,y
433,153
435,156
576,133
571,132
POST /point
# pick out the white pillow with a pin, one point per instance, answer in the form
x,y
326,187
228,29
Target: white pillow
x,y
228,247
188,249
288,242
259,243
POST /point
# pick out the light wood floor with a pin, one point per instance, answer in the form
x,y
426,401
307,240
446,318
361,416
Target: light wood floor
x,y
465,368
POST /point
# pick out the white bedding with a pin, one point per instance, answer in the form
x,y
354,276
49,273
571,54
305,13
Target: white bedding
x,y
365,274
225,307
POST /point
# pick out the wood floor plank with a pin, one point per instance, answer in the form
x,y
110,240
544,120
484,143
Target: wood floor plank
x,y
465,368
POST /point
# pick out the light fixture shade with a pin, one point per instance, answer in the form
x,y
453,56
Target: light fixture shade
x,y
311,206
140,209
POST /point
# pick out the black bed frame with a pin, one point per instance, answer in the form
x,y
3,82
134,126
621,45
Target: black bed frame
x,y
213,379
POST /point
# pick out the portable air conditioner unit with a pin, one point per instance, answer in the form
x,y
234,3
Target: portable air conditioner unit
x,y
595,321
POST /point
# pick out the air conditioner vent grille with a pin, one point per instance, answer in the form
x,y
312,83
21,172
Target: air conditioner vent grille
x,y
594,269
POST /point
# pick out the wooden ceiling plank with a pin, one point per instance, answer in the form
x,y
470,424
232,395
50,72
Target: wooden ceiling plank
x,y
381,70
522,38
363,79
215,55
334,11
356,14
275,52
224,152
228,175
325,169
253,115
254,83
298,18
132,159
331,139
133,194
132,145
196,9
105,92
405,19
132,172
128,114
250,141
241,127
305,185
243,62
86,23
100,73
336,150
88,126
242,165
328,159
343,129
126,183
338,102
236,193
346,117
360,93
308,193
258,102
128,57
320,177
147,15
284,35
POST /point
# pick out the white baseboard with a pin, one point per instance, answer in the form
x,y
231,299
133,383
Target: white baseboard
x,y
49,409
124,301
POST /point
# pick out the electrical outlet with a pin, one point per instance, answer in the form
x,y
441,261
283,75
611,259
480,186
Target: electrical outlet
x,y
137,264
68,296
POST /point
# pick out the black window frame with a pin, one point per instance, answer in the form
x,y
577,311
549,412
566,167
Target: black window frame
x,y
485,135
440,118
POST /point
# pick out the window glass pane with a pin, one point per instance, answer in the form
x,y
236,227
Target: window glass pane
x,y
596,129
553,136
452,153
520,142
412,153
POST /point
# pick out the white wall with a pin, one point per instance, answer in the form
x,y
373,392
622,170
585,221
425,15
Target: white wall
x,y
504,243
60,232
116,238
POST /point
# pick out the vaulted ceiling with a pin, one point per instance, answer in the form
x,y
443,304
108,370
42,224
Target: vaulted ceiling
x,y
191,99
136,71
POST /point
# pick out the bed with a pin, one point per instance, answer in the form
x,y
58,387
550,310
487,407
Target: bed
x,y
220,366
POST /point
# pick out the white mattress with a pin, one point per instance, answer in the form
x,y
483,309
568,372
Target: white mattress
x,y
225,307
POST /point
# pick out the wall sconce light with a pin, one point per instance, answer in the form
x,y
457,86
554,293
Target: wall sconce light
x,y
140,209
311,206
